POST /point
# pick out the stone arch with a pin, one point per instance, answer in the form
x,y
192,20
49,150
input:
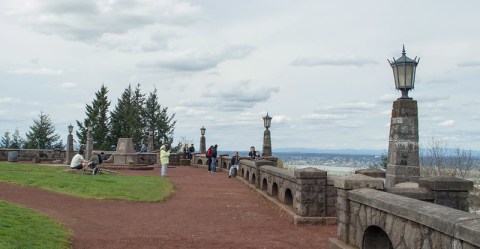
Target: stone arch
x,y
253,180
274,189
264,184
199,162
224,164
247,175
375,237
242,172
288,199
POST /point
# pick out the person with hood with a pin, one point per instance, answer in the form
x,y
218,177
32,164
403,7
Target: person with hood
x,y
164,159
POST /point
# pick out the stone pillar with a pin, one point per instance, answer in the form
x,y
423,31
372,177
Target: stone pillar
x,y
448,191
267,143
345,230
89,146
150,141
203,146
69,151
403,159
311,195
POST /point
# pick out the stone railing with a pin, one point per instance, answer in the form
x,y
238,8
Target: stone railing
x,y
30,154
309,193
368,217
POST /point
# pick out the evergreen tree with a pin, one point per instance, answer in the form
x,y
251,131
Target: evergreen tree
x,y
42,134
156,119
6,140
126,118
97,117
17,140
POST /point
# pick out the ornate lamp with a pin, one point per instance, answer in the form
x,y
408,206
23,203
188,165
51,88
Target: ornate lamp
x,y
70,128
202,131
404,70
267,120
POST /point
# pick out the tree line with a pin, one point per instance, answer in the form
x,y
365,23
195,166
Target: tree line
x,y
134,115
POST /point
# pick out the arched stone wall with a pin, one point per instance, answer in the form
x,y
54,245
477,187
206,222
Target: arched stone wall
x,y
275,189
264,184
375,237
288,197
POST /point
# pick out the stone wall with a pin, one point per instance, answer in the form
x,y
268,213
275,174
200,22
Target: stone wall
x,y
309,192
29,154
369,218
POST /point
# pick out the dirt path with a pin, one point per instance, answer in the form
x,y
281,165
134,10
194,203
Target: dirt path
x,y
207,211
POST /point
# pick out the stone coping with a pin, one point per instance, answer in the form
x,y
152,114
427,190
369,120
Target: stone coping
x,y
358,181
461,225
278,172
445,183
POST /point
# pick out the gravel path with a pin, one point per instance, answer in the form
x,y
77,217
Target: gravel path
x,y
207,211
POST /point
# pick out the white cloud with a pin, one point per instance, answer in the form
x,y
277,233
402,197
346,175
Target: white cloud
x,y
37,71
332,61
9,100
447,123
68,85
196,61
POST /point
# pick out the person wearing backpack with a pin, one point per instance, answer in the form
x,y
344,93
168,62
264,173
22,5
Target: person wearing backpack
x,y
209,157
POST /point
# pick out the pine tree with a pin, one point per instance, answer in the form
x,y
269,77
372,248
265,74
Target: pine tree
x,y
42,134
17,141
97,117
126,118
6,140
157,119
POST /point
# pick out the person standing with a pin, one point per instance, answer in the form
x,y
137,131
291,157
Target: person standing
x,y
191,150
214,159
209,158
233,163
164,159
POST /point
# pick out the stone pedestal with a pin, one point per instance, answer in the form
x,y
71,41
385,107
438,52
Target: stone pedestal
x,y
267,143
448,191
89,146
403,158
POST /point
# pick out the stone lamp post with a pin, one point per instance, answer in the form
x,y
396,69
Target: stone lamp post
x,y
69,151
203,146
89,143
267,141
403,158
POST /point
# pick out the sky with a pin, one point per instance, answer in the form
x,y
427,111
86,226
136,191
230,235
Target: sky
x,y
318,67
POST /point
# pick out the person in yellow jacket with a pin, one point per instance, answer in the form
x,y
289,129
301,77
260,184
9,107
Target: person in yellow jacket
x,y
164,159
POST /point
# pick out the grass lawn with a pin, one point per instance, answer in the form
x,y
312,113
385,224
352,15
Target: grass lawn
x,y
24,228
120,187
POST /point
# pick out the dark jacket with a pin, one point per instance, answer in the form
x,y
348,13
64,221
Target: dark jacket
x,y
235,160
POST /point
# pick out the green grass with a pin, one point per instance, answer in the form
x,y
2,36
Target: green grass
x,y
24,228
119,187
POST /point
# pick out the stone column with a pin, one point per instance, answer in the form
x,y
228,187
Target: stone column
x,y
203,146
89,146
150,141
267,143
69,151
403,159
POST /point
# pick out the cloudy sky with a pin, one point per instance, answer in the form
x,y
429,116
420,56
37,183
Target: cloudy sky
x,y
318,67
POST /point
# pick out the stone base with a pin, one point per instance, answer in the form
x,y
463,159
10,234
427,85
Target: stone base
x,y
184,162
334,243
401,173
414,193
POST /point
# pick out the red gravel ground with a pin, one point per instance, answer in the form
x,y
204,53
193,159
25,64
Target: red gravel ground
x,y
207,211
